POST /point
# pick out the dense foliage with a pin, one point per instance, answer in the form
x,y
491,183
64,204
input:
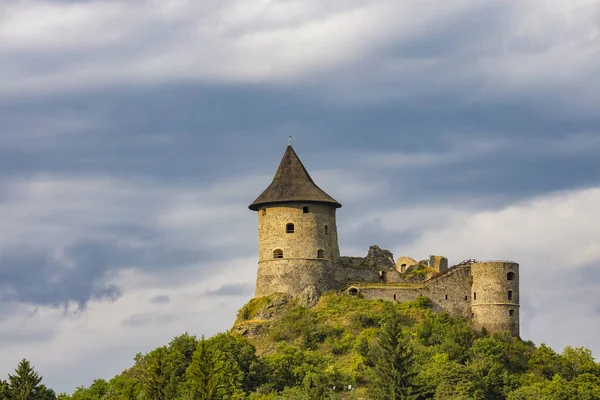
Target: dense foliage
x,y
344,348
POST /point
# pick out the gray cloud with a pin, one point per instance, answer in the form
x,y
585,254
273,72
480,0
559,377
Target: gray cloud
x,y
145,319
160,299
232,289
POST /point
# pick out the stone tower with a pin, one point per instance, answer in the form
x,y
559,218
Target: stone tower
x,y
297,234
495,296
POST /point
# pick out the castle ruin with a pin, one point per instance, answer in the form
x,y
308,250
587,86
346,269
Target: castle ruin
x,y
298,254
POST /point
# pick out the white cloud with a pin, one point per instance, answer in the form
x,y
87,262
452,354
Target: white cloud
x,y
552,232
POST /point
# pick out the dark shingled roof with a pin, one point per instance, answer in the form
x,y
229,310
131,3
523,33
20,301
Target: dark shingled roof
x,y
292,183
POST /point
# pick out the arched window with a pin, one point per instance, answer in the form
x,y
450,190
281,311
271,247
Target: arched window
x,y
278,253
403,268
510,294
326,229
510,276
289,228
305,209
320,253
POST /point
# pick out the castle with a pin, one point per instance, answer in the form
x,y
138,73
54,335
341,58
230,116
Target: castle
x,y
298,254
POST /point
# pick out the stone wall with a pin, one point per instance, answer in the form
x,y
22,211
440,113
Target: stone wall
x,y
293,276
439,263
449,292
402,263
377,266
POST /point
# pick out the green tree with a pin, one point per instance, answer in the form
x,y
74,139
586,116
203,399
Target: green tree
x,y
179,356
584,387
578,360
392,371
239,351
154,374
289,365
3,390
211,376
44,393
25,384
96,391
545,362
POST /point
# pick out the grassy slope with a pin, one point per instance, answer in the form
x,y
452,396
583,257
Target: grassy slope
x,y
336,326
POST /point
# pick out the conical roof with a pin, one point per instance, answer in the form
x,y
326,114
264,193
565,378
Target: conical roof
x,y
292,183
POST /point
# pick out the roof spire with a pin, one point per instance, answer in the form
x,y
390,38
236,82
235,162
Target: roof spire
x,y
292,183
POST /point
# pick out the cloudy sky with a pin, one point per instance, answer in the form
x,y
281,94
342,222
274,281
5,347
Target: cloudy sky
x,y
134,134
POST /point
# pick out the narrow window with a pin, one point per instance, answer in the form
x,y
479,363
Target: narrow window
x,y
394,296
472,315
326,230
511,312
278,253
305,209
320,253
510,276
289,228
474,295
510,294
466,297
446,297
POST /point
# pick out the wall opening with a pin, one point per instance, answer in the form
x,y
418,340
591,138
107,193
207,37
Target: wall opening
x,y
394,296
510,276
305,209
446,297
511,313
382,277
320,253
510,294
289,228
326,229
278,253
474,295
403,268
466,297
353,291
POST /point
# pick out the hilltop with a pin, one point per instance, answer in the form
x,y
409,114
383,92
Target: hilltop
x,y
350,348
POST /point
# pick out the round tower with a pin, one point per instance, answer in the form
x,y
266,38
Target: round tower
x,y
495,296
297,233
